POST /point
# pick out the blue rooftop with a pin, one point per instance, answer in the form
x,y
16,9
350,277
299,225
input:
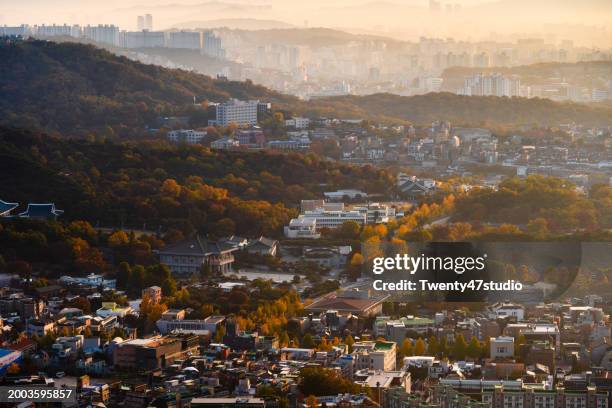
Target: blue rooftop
x,y
6,208
46,211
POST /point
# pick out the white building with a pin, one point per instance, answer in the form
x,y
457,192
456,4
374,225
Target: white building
x,y
143,39
212,45
418,361
242,113
189,136
491,85
105,34
58,30
204,327
297,122
302,228
295,353
185,39
376,213
374,355
333,219
508,310
23,30
91,280
294,144
225,143
112,309
502,347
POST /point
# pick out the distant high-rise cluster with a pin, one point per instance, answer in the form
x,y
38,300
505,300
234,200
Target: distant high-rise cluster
x,y
144,22
212,45
207,42
491,85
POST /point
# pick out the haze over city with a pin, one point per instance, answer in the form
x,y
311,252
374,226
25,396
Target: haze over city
x,y
585,22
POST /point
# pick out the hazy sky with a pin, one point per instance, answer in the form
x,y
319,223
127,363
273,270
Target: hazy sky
x,y
585,21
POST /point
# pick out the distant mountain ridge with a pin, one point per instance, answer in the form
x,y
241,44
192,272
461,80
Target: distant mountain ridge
x,y
234,23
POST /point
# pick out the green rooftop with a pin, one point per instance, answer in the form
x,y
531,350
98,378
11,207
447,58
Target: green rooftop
x,y
384,345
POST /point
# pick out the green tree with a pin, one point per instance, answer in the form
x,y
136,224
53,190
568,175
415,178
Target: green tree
x,y
283,339
349,341
473,349
348,230
124,272
307,341
219,333
519,342
459,347
433,346
443,347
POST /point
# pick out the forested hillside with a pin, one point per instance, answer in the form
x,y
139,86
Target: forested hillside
x,y
74,88
490,111
184,187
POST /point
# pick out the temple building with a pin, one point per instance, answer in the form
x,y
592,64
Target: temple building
x,y
187,257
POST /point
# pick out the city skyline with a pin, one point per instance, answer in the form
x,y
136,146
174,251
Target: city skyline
x,y
587,23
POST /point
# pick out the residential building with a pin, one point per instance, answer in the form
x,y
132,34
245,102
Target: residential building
x,y
301,144
152,353
185,39
143,39
491,85
58,30
104,34
508,310
374,355
212,45
502,347
40,327
113,309
91,280
225,143
251,138
242,113
302,228
154,293
379,381
298,122
174,321
397,330
188,136
228,402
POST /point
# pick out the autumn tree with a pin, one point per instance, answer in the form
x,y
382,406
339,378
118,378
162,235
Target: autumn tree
x,y
118,238
419,347
406,350
349,341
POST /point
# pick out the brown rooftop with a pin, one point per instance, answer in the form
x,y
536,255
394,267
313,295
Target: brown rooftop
x,y
355,306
